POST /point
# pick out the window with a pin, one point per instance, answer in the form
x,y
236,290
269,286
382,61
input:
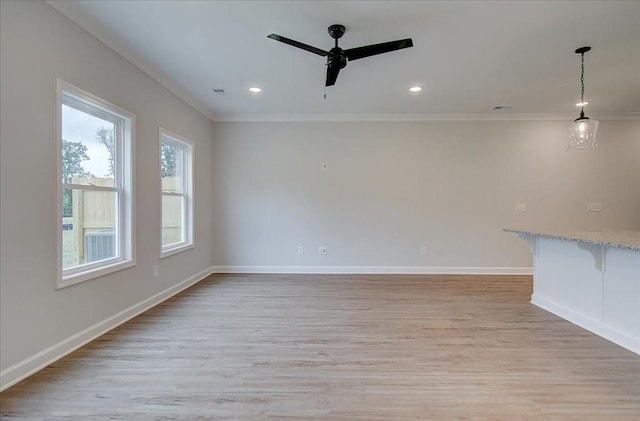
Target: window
x,y
176,167
95,197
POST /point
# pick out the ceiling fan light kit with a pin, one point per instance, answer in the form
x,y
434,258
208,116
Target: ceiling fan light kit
x,y
582,131
337,58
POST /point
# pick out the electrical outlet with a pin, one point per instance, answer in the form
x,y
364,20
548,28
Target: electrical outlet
x,y
156,271
423,250
300,250
322,250
520,207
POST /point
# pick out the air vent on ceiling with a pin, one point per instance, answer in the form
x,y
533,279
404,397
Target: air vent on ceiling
x,y
502,107
219,91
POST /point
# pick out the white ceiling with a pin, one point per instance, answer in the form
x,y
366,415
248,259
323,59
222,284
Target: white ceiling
x,y
468,56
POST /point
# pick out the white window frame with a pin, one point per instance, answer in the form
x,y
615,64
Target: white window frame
x,y
67,94
165,136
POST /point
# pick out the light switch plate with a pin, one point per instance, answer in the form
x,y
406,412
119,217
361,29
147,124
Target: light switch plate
x,y
520,207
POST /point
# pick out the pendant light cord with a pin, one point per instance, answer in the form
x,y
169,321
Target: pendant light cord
x,y
582,81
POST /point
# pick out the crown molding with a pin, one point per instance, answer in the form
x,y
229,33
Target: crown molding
x,y
300,117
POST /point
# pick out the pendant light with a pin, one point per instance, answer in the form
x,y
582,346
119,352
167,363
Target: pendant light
x,y
582,131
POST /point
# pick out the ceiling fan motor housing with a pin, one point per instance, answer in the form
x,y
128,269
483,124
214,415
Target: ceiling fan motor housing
x,y
337,57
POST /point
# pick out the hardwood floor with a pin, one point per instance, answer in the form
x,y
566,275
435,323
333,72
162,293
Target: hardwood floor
x,y
366,347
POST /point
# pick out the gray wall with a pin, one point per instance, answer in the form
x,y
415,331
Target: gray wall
x,y
391,187
39,45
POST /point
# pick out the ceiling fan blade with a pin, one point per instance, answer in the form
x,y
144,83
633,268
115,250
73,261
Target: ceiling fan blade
x,y
372,50
332,74
299,45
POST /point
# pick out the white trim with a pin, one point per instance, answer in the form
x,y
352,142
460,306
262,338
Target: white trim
x,y
170,251
29,366
592,325
58,203
85,96
91,271
417,117
129,191
426,270
173,136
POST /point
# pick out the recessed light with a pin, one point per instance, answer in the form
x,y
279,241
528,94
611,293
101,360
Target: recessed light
x,y
415,89
255,90
582,104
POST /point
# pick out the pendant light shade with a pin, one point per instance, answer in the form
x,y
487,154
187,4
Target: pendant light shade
x,y
582,131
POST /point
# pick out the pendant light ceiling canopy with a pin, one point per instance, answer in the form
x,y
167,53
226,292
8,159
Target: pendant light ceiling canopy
x,y
582,131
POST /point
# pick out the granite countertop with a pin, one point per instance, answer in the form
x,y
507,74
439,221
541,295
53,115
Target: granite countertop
x,y
611,238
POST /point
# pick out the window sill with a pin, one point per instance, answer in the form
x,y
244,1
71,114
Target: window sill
x,y
77,278
175,250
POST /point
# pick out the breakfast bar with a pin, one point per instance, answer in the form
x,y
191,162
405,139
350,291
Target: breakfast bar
x,y
591,279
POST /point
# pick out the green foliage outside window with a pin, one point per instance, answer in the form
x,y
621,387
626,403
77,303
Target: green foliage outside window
x,y
73,154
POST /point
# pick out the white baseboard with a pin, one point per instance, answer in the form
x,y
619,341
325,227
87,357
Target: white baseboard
x,y
588,323
369,270
29,366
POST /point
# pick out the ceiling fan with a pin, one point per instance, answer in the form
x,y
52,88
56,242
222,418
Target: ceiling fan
x,y
337,57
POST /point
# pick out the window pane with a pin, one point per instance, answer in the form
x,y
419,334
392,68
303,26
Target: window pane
x,y
172,167
172,220
88,148
88,226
